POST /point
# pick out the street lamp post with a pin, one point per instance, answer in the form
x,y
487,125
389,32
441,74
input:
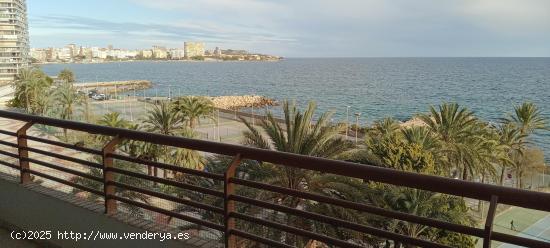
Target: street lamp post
x,y
218,124
357,115
347,120
253,115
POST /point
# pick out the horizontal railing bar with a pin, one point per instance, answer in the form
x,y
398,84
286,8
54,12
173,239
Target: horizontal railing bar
x,y
329,240
362,207
168,197
9,165
169,213
8,133
65,145
509,196
168,182
249,236
8,144
9,154
62,181
167,166
63,169
322,218
517,240
63,157
314,216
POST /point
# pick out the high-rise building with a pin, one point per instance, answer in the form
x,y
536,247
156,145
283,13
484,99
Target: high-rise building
x,y
14,39
193,49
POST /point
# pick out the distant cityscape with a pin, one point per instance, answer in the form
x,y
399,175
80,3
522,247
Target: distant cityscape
x,y
197,51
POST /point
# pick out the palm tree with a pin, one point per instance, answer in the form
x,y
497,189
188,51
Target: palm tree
x,y
528,118
193,108
67,97
420,136
300,135
425,204
67,76
514,141
187,158
113,119
30,85
128,194
163,119
385,127
452,125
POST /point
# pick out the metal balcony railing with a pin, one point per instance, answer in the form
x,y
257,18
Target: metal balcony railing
x,y
230,179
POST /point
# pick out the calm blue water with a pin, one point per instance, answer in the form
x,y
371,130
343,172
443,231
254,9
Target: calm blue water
x,y
376,87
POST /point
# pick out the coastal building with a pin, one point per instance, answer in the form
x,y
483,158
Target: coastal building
x,y
177,53
217,52
146,54
14,39
39,55
194,49
160,52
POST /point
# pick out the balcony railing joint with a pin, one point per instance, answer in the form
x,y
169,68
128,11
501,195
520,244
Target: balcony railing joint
x,y
25,176
108,176
229,204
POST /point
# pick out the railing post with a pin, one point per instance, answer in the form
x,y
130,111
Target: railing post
x,y
489,222
25,176
108,177
229,205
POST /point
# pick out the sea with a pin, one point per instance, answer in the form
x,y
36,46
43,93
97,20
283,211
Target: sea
x,y
372,87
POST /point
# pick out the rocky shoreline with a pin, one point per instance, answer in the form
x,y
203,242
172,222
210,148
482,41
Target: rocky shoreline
x,y
239,102
115,86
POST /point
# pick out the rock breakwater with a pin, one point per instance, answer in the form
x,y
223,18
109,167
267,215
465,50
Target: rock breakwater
x,y
239,102
114,87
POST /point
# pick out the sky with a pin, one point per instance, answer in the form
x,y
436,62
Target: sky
x,y
302,28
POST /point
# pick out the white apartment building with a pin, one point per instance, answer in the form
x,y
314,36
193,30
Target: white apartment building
x,y
194,49
177,53
14,39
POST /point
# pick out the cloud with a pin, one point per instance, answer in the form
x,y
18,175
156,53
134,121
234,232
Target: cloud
x,y
508,16
176,32
327,27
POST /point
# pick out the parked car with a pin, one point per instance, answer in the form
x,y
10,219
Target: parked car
x,y
99,97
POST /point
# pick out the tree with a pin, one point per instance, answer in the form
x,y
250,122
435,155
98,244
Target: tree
x,y
187,158
163,119
514,141
66,76
66,99
527,120
301,135
452,125
32,89
420,136
403,155
113,119
120,178
192,108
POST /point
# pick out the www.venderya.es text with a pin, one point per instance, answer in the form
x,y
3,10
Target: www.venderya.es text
x,y
96,235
